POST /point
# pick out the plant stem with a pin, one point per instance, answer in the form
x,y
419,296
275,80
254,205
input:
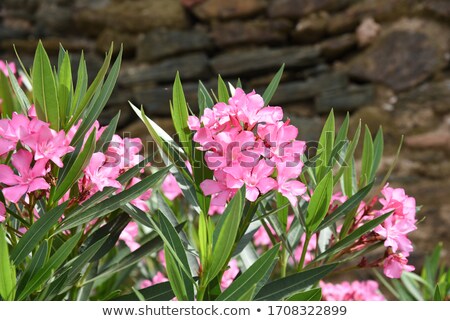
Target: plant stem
x,y
304,250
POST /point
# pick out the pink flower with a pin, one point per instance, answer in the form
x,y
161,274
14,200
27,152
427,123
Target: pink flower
x,y
124,153
2,212
288,185
229,275
218,189
257,179
30,179
395,234
395,264
129,235
98,175
49,145
170,187
354,291
4,67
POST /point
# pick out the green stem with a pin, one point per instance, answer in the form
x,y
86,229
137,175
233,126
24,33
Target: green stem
x,y
304,250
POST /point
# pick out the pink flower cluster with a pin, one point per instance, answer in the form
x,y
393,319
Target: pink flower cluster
x,y
32,145
395,229
248,144
354,291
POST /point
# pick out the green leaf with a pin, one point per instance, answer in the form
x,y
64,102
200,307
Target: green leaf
x,y
20,95
112,230
55,261
36,233
44,89
105,139
349,158
80,88
37,261
222,90
248,294
378,147
286,287
349,239
7,103
208,101
343,131
325,147
272,88
78,263
114,202
180,282
350,204
7,270
310,295
73,169
254,276
65,87
87,96
225,235
157,292
180,114
367,157
319,203
100,98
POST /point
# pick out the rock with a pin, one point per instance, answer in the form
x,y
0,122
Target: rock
x,y
380,11
367,31
133,16
437,139
336,47
439,8
275,31
159,44
311,29
7,33
111,111
108,36
344,99
53,20
192,66
301,90
191,3
432,95
405,55
264,59
51,45
156,100
219,9
299,8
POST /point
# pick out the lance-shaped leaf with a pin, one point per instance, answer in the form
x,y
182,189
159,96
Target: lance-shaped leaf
x,y
44,89
310,295
286,287
255,276
272,88
225,235
222,90
7,270
158,292
319,203
180,114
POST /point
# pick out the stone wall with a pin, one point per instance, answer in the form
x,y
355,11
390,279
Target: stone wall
x,y
385,61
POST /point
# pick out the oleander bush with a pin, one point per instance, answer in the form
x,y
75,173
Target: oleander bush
x,y
241,208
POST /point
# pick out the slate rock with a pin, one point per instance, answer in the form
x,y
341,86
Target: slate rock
x,y
191,66
299,8
345,99
264,59
220,9
159,44
405,55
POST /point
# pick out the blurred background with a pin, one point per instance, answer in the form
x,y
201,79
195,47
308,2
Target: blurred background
x,y
384,61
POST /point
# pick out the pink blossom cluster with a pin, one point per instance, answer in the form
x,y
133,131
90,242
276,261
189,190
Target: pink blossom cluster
x,y
32,146
354,291
395,229
248,144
